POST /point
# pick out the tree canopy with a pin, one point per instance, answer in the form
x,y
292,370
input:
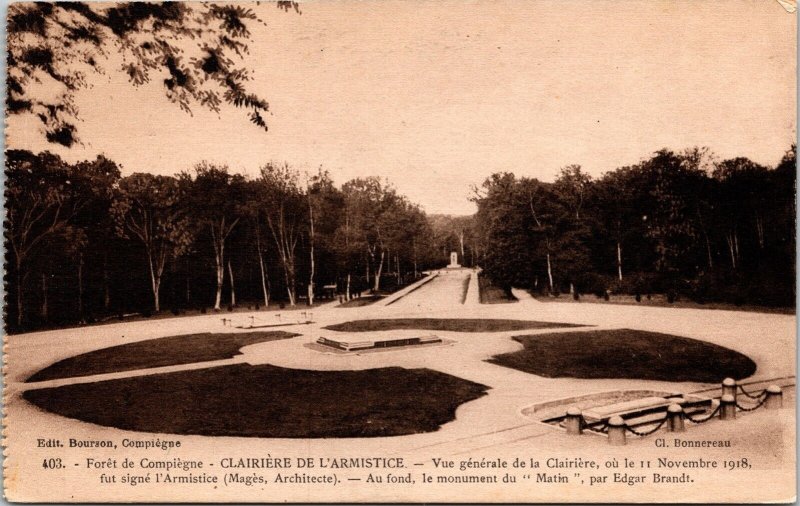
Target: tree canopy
x,y
196,49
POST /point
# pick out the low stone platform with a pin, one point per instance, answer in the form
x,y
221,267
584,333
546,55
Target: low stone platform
x,y
349,344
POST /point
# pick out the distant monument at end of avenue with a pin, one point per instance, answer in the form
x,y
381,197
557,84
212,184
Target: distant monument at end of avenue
x,y
454,261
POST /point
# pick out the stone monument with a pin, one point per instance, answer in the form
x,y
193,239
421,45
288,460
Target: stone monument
x,y
454,261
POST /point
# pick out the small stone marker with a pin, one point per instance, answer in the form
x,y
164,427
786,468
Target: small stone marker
x,y
616,431
727,410
729,387
574,421
675,418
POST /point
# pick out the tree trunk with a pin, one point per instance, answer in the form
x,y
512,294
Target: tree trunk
x,y
288,273
731,249
415,259
760,231
155,282
378,273
397,264
708,251
218,259
619,260
311,251
106,289
233,287
20,294
264,287
368,270
80,288
347,291
461,240
44,297
549,273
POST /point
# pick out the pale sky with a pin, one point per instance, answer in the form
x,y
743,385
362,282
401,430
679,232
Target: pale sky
x,y
438,95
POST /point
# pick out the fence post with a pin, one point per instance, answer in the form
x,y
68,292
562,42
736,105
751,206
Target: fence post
x,y
616,431
727,410
675,418
729,387
574,421
774,398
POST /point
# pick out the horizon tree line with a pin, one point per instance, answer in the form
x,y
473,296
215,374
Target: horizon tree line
x,y
85,242
676,223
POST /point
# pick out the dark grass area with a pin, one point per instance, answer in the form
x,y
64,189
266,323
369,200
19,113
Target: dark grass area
x,y
624,353
492,294
173,350
268,401
445,324
362,301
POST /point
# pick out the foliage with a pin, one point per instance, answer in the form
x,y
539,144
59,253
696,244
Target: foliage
x,y
148,208
669,224
84,243
62,45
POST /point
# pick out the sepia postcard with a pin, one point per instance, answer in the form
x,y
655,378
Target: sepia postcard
x,y
400,251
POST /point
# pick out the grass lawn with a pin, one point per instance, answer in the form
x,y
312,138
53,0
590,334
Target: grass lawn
x,y
268,401
624,353
491,294
447,324
159,352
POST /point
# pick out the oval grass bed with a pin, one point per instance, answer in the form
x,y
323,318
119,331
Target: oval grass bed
x,y
445,324
160,352
626,354
268,401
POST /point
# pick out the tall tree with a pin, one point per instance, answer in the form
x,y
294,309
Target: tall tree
x,y
623,202
373,208
325,208
148,208
284,209
217,200
44,197
672,224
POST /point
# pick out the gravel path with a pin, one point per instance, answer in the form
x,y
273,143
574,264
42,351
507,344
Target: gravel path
x,y
492,425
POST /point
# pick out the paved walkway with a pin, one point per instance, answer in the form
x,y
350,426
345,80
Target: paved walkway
x,y
446,291
493,423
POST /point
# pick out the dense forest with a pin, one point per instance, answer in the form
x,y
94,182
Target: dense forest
x,y
84,243
679,223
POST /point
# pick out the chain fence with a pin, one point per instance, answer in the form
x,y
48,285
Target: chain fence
x,y
752,408
752,395
698,421
647,432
